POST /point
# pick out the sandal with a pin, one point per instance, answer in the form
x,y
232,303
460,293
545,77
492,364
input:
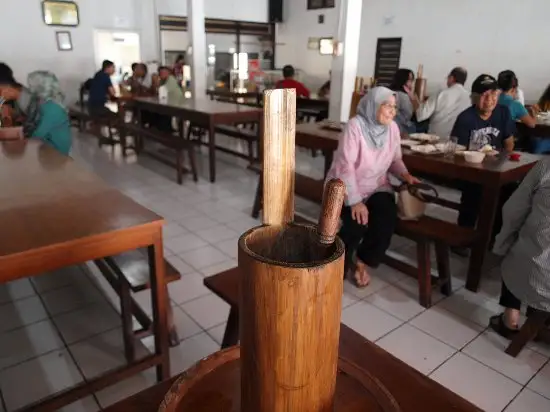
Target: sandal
x,y
499,326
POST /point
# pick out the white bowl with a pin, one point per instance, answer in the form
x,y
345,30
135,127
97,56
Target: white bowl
x,y
474,157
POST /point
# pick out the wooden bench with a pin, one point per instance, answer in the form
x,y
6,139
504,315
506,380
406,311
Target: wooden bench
x,y
226,286
128,273
247,132
166,139
423,231
536,326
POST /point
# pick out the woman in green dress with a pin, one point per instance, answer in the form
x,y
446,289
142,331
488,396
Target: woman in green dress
x,y
40,105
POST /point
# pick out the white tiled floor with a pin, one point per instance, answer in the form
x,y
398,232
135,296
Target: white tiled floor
x,y
57,328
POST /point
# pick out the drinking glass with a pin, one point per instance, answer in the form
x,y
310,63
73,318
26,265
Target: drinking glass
x,y
450,147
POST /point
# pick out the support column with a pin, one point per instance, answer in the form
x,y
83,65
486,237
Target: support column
x,y
344,63
195,21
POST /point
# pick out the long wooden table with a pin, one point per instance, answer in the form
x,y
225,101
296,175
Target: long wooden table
x,y
204,113
492,175
416,392
55,214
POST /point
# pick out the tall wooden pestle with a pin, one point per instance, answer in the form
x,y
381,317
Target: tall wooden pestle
x,y
291,302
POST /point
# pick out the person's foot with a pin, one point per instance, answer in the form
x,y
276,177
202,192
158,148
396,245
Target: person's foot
x,y
361,275
498,324
460,251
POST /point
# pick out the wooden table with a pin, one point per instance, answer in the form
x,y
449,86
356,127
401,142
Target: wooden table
x,y
414,391
492,175
204,113
312,136
54,214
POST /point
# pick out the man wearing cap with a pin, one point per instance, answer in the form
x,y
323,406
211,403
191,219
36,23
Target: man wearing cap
x,y
484,123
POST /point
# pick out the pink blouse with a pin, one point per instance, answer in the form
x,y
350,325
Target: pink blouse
x,y
364,169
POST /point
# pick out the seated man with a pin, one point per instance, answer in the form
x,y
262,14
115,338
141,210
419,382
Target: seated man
x,y
289,83
508,84
175,96
484,123
524,244
443,108
140,82
102,90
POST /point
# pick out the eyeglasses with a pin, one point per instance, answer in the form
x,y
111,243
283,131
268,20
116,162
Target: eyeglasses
x,y
389,106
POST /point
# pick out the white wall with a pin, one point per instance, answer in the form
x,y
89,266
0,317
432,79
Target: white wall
x,y
245,10
292,38
481,35
29,44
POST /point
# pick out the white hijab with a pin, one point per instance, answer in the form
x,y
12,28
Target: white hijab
x,y
374,133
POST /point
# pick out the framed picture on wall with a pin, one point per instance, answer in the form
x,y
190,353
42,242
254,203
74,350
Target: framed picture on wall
x,y
60,13
64,41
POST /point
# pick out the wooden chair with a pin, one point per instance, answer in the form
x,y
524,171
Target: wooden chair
x,y
535,325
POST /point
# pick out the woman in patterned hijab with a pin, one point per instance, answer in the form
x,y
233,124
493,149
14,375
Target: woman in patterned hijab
x,y
41,106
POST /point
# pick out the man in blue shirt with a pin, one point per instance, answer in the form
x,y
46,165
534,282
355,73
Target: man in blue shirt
x,y
101,90
484,123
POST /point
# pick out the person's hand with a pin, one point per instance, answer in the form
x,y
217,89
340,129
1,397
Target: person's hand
x,y
360,213
410,179
409,91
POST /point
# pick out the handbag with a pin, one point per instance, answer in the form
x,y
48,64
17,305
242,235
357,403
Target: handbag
x,y
411,200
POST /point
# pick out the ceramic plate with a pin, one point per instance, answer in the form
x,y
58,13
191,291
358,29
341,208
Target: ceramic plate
x,y
423,137
425,149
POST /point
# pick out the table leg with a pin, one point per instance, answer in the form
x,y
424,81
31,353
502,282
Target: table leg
x,y
212,150
328,160
485,222
159,298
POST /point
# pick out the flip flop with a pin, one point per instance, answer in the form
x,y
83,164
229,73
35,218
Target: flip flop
x,y
499,326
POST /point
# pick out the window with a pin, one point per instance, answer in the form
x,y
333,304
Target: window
x,y
320,4
326,46
388,54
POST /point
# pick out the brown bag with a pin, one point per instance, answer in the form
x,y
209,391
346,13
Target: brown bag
x,y
411,200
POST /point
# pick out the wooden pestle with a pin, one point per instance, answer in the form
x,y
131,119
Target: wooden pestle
x,y
279,156
329,219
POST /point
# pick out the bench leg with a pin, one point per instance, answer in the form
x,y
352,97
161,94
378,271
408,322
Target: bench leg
x,y
532,326
231,335
424,273
444,268
258,198
179,166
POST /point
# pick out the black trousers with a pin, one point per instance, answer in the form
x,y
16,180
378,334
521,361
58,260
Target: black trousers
x,y
470,203
509,301
372,240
